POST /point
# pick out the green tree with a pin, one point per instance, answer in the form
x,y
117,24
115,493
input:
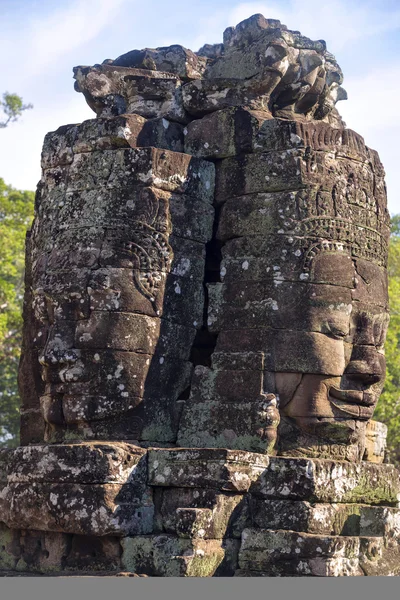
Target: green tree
x,y
12,106
16,212
388,409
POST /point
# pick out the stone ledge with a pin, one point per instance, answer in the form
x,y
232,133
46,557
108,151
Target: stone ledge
x,y
325,519
217,468
96,509
170,556
84,463
321,480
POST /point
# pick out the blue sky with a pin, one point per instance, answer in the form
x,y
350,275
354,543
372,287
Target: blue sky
x,y
42,40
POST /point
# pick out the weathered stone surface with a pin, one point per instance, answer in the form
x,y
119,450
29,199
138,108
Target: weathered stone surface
x,y
184,216
52,553
229,409
319,519
203,513
221,469
291,169
6,456
163,169
375,438
280,71
173,59
133,333
170,556
250,330
110,133
112,90
88,489
237,130
329,481
308,567
379,558
327,519
98,509
88,463
254,173
178,298
262,549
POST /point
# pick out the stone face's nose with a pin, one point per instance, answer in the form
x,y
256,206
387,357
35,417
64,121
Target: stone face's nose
x,y
366,365
58,350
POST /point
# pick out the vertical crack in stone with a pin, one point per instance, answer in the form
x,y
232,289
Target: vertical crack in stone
x,y
205,341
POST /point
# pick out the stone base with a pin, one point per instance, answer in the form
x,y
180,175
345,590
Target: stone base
x,y
117,509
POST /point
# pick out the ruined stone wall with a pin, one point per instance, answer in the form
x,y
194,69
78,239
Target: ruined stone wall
x,y
204,320
215,215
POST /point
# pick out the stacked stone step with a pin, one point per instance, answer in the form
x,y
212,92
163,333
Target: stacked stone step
x,y
116,508
276,185
115,276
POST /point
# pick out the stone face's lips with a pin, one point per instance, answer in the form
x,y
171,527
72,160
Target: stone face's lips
x,y
353,402
352,396
360,412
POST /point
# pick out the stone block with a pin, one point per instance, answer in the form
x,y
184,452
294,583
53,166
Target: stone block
x,y
255,173
10,548
96,509
110,133
308,567
130,332
381,521
32,426
230,408
6,456
221,469
303,516
179,299
203,513
151,215
52,553
225,133
262,549
317,308
378,558
294,169
172,59
113,90
86,463
170,556
329,481
238,130
375,438
204,96
88,489
292,351
126,168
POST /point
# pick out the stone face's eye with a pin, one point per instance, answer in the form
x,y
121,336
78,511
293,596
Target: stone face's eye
x,y
336,332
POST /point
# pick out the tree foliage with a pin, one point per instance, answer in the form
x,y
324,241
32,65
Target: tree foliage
x,y
388,409
16,211
12,106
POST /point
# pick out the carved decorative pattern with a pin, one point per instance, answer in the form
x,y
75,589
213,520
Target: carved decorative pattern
x,y
151,255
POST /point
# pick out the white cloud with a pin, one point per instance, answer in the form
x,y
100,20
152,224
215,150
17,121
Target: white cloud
x,y
41,41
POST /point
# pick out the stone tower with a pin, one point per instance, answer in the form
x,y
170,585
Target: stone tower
x,y
205,312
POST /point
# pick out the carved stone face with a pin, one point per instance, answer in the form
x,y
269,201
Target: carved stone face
x,y
333,378
117,295
302,306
